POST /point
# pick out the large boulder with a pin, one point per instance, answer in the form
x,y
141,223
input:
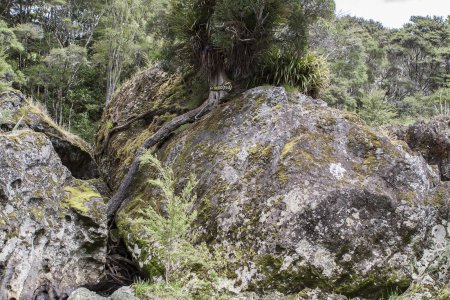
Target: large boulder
x,y
74,153
53,231
124,293
298,195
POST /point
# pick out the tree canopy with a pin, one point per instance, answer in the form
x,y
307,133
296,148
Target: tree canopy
x,y
72,55
231,36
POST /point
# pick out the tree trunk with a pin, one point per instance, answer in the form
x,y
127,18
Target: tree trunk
x,y
219,79
191,116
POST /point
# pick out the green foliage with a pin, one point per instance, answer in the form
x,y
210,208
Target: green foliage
x,y
5,117
171,227
410,64
375,109
8,39
51,66
308,73
440,101
419,54
146,290
9,45
351,50
122,45
230,35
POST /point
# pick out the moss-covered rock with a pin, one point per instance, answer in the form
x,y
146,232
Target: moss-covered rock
x,y
74,152
298,195
151,97
53,229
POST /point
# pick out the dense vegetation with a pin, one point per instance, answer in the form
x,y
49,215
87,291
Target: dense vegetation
x,y
72,55
388,75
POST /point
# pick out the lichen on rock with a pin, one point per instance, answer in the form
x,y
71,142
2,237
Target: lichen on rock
x,y
299,195
74,153
47,239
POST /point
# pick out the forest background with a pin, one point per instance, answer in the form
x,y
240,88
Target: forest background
x,y
72,55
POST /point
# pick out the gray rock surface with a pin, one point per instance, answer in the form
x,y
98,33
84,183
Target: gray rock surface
x,y
74,153
85,294
53,230
124,293
431,139
298,195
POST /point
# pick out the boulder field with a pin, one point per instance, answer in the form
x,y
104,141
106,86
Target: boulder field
x,y
293,197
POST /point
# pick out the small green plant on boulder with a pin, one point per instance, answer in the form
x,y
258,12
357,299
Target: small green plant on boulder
x,y
170,228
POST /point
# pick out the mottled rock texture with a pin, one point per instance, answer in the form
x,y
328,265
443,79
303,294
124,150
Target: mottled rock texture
x,y
432,140
124,293
53,229
74,153
297,195
143,105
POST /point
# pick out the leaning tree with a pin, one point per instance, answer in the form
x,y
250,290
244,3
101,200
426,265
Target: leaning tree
x,y
225,39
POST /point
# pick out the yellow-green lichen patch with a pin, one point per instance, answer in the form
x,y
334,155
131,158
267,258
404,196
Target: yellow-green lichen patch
x,y
260,101
7,219
232,152
109,125
287,149
282,175
260,152
78,197
370,148
409,197
38,213
439,197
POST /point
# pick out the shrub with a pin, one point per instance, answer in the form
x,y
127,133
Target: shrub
x,y
170,228
308,73
376,110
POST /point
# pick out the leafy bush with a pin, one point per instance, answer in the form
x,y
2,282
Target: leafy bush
x,y
308,73
376,110
440,101
337,96
171,229
191,270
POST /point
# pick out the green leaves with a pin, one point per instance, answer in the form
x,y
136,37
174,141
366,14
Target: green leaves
x,y
170,227
376,110
8,40
233,34
308,73
9,45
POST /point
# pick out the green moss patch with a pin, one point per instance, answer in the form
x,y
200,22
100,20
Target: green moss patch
x,y
79,197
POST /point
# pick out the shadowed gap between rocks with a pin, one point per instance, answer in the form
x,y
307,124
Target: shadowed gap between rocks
x,y
120,270
79,163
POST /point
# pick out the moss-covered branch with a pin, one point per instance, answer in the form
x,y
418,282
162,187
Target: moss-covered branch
x,y
189,117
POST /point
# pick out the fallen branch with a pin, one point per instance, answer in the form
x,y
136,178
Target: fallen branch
x,y
128,123
189,117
